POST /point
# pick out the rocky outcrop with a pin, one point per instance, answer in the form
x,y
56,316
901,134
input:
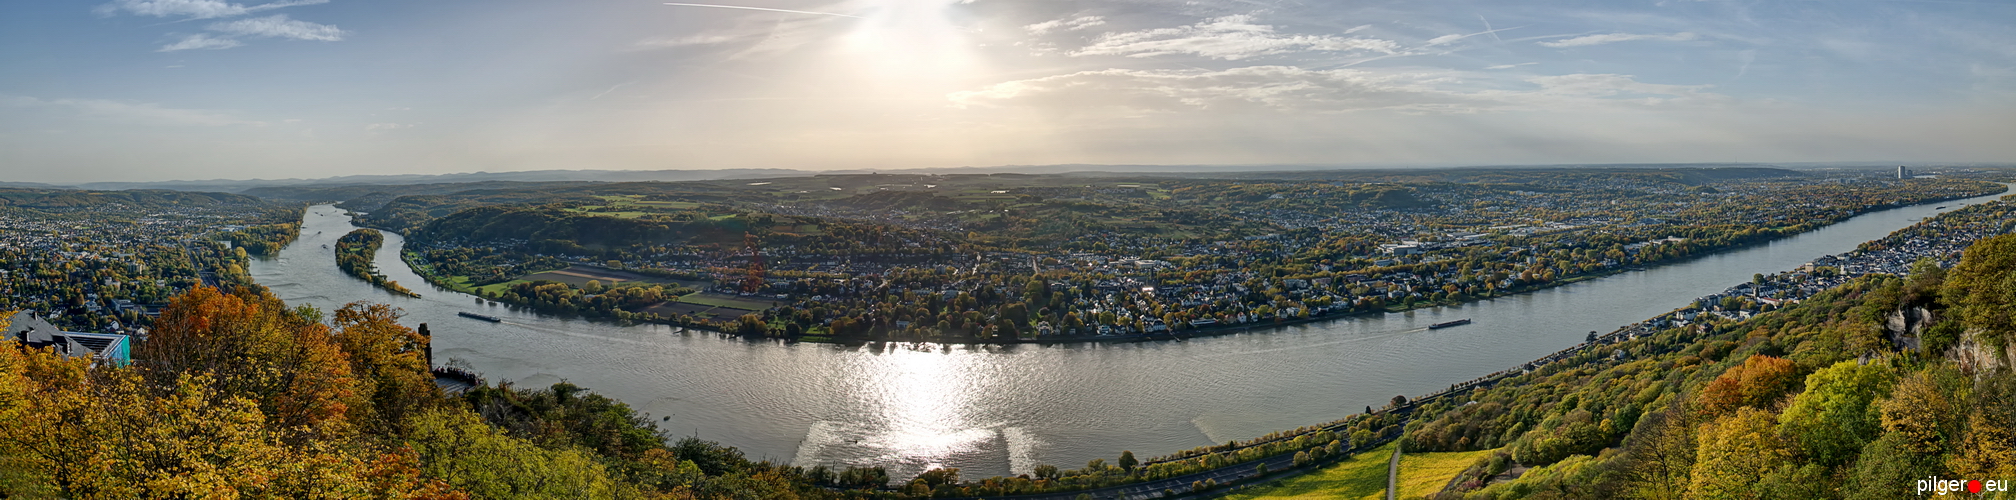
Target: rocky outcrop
x,y
1975,355
1906,326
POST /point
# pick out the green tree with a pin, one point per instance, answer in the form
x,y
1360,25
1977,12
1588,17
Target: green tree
x,y
455,446
1888,468
1982,288
1834,418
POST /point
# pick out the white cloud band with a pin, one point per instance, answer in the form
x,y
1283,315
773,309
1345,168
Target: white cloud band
x,y
1584,41
279,26
1228,38
193,9
1297,90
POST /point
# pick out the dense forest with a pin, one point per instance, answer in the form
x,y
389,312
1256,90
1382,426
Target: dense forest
x,y
1857,393
237,394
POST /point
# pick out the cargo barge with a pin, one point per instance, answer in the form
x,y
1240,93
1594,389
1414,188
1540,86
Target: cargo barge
x,y
492,319
1439,326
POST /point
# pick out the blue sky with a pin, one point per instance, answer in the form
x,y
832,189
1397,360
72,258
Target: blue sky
x,y
199,89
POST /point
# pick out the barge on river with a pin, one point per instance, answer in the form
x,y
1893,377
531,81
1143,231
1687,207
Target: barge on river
x,y
1446,324
492,319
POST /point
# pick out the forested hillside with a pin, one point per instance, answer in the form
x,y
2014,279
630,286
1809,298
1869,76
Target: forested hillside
x,y
238,395
1861,392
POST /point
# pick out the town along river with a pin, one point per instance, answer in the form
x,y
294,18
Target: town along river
x,y
992,410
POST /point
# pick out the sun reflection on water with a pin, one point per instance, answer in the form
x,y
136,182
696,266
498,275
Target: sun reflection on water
x,y
923,402
921,415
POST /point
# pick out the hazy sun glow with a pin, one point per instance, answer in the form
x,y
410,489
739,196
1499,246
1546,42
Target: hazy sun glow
x,y
910,45
431,87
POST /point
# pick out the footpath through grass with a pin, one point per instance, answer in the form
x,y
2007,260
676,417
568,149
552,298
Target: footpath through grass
x,y
1423,474
1362,476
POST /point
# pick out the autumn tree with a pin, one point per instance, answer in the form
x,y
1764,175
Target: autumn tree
x,y
1756,383
389,360
1735,452
1924,410
249,343
1988,448
1661,454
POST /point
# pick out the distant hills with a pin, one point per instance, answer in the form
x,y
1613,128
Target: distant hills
x,y
1208,171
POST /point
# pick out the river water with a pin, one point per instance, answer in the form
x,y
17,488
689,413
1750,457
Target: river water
x,y
992,410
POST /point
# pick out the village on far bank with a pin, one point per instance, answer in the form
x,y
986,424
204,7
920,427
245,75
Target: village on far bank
x,y
106,267
822,269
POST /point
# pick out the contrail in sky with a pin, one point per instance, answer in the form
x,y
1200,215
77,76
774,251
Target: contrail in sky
x,y
760,8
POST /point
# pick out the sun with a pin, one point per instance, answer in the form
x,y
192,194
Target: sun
x,y
911,45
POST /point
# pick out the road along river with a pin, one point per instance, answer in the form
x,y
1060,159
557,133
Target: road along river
x,y
992,410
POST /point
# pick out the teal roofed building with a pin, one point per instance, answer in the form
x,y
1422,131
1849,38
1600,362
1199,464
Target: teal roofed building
x,y
35,333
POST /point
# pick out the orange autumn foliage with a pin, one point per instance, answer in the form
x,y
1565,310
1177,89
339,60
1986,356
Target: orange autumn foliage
x,y
1757,383
252,344
231,395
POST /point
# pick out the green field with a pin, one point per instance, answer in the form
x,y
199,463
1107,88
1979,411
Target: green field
x,y
721,300
1423,474
632,206
1360,477
592,210
495,287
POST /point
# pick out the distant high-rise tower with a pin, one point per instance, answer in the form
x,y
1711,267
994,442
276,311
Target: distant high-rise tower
x,y
1903,173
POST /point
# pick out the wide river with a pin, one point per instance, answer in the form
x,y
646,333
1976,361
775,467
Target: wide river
x,y
992,410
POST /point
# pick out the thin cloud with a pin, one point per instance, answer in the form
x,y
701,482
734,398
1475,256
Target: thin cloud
x,y
142,113
1447,39
766,9
1294,90
1510,66
226,34
192,9
381,128
1067,24
1228,38
200,41
686,41
1584,41
279,26
1279,88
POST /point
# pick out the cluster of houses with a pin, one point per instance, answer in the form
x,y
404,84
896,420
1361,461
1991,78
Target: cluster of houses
x,y
101,262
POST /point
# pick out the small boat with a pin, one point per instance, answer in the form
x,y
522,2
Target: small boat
x,y
1941,207
1446,324
467,314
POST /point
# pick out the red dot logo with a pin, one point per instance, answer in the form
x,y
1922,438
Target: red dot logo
x,y
1973,486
